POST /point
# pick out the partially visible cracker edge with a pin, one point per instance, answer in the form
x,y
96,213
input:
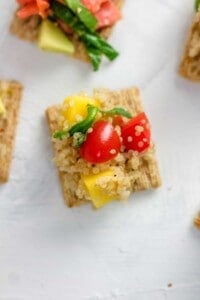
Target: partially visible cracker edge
x,y
8,127
150,177
196,221
190,67
28,29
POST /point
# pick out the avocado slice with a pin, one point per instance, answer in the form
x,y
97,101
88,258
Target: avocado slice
x,y
52,38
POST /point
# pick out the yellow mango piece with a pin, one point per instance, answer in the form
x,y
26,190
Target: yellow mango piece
x,y
74,108
97,193
2,108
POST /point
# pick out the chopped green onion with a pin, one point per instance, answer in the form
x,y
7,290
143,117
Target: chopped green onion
x,y
84,125
60,135
95,57
197,5
83,14
98,42
118,111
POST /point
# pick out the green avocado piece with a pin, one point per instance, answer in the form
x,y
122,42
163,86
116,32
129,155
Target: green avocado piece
x,y
52,38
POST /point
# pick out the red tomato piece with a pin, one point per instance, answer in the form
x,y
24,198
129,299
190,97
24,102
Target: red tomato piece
x,y
22,2
108,14
33,7
93,5
102,143
105,11
43,6
28,10
118,121
136,133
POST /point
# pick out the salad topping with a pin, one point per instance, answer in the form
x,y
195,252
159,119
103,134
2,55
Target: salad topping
x,y
83,18
102,134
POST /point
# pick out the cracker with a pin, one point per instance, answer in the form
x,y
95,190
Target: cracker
x,y
148,176
28,29
52,115
190,63
8,125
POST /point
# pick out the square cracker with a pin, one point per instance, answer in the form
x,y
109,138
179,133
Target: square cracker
x,y
28,29
147,171
190,63
8,125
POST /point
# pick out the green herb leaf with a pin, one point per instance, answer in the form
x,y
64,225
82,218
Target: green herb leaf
x,y
65,14
197,5
84,125
60,135
95,57
78,139
118,111
107,49
83,14
96,41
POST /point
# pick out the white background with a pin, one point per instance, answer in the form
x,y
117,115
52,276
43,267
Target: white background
x,y
121,252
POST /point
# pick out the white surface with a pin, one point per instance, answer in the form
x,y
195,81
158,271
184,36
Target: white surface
x,y
122,252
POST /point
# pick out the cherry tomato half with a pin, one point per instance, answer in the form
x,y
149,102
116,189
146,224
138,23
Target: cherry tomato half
x,y
102,143
136,133
118,121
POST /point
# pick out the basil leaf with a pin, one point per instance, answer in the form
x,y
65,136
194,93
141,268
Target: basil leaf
x,y
118,111
60,135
